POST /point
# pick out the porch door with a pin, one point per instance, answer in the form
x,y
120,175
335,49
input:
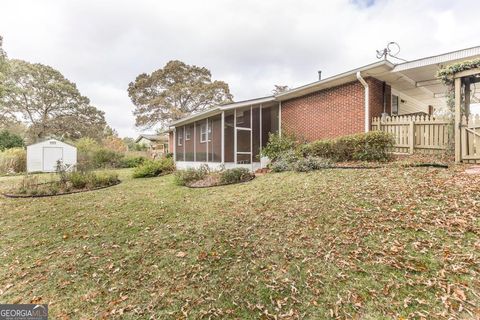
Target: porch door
x,y
244,145
243,136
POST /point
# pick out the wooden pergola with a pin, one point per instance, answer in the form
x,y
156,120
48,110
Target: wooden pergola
x,y
462,82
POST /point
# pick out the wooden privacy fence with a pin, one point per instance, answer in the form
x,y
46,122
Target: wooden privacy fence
x,y
420,134
470,139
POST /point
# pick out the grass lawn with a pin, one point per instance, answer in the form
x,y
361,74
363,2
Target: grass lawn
x,y
364,244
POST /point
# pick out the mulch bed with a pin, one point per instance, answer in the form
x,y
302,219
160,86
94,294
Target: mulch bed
x,y
9,195
213,181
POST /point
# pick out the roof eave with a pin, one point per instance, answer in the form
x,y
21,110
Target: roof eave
x,y
319,85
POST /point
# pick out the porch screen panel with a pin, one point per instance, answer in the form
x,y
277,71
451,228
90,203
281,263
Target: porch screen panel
x,y
243,118
243,141
243,159
215,140
269,123
189,145
200,140
179,143
229,136
256,134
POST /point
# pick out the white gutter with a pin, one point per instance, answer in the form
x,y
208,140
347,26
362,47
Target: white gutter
x,y
367,104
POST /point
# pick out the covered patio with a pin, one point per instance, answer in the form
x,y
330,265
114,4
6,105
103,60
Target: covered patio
x,y
231,135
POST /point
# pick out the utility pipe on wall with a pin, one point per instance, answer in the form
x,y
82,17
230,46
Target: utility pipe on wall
x,y
367,104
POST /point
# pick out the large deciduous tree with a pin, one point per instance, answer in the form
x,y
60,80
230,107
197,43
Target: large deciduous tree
x,y
6,118
49,103
173,92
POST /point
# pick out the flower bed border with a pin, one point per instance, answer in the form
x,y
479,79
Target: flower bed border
x,y
221,185
18,196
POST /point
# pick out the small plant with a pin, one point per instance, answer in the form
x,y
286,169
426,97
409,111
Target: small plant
x,y
184,177
234,175
154,168
312,163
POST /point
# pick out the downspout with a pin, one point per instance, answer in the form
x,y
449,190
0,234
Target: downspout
x,y
367,104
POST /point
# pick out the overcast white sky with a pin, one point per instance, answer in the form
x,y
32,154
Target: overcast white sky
x,y
250,44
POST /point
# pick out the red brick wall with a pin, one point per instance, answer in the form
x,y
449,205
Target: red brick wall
x,y
332,112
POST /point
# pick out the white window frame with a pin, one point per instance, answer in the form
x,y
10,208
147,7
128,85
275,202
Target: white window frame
x,y
394,96
179,138
207,133
188,134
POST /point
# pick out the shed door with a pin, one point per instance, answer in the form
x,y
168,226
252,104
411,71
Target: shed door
x,y
50,157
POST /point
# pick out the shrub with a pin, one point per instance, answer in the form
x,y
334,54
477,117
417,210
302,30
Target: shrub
x,y
184,177
277,145
285,161
80,180
154,168
105,158
13,160
280,166
312,163
370,146
103,179
10,140
234,175
132,161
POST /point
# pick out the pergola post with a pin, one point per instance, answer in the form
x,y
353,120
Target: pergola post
x,y
458,119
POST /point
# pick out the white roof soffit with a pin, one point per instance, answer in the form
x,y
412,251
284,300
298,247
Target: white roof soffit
x,y
369,70
218,109
446,58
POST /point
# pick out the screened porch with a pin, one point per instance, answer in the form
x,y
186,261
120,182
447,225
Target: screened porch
x,y
232,136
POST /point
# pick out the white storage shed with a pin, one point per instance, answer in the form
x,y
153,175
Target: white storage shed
x,y
43,156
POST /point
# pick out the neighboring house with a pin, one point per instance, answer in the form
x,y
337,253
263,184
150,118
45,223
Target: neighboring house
x,y
343,104
154,142
44,156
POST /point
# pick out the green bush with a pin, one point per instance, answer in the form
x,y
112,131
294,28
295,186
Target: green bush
x,y
184,177
106,158
132,161
80,180
13,160
285,161
277,145
370,146
103,179
10,140
281,166
312,163
234,175
154,168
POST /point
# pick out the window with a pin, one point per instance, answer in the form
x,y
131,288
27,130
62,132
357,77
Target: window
x,y
203,133
180,138
394,105
187,134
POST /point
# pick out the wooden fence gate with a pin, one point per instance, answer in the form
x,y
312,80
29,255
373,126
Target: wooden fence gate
x,y
470,139
420,134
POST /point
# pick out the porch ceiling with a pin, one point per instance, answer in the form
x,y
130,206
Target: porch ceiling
x,y
419,83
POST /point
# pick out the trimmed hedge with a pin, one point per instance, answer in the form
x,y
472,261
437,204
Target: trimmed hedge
x,y
370,146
